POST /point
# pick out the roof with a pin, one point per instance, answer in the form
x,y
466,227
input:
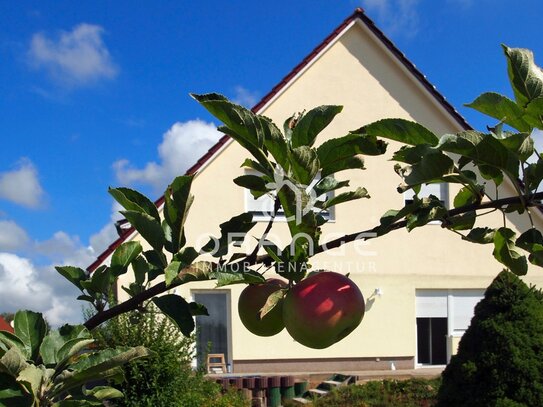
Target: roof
x,y
358,15
5,326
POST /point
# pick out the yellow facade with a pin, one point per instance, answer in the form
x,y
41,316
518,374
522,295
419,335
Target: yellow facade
x,y
357,71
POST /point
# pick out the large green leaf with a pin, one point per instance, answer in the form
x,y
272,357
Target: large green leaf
x,y
347,163
30,327
401,130
304,164
148,227
532,242
198,271
501,108
32,377
505,251
103,392
73,274
97,366
178,310
13,362
432,167
252,182
525,76
482,149
275,142
340,150
346,197
101,282
132,200
328,184
312,123
8,340
520,144
57,338
533,174
123,256
177,202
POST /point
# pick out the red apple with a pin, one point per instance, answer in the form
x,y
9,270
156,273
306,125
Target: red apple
x,y
322,309
252,299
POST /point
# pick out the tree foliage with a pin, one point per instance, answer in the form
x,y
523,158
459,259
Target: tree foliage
x,y
500,359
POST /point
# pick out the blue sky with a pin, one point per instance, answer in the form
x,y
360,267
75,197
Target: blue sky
x,y
95,94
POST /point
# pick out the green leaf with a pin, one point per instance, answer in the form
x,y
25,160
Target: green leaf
x,y
123,256
482,150
13,362
428,210
178,310
73,274
70,349
157,259
134,201
346,197
304,164
275,142
463,221
349,163
520,144
481,235
32,377
466,196
148,227
505,252
534,174
232,231
401,130
30,327
532,242
56,339
177,202
339,149
101,365
234,274
328,184
197,309
9,340
432,167
140,268
171,272
525,76
272,301
252,182
248,163
101,281
501,108
534,113
198,271
312,123
103,392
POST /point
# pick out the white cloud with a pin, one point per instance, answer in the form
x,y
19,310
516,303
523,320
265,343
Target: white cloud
x,y
65,249
25,286
22,185
74,58
245,97
12,236
181,146
398,17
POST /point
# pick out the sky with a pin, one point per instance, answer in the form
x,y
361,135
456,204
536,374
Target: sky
x,y
95,94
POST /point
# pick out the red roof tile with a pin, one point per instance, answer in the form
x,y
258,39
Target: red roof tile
x,y
358,14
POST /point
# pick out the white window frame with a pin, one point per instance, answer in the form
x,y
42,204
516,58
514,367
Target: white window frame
x,y
264,216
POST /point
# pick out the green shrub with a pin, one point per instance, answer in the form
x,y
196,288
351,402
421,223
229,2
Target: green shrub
x,y
383,393
500,357
166,378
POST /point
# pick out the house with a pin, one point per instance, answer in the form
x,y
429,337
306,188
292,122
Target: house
x,y
420,287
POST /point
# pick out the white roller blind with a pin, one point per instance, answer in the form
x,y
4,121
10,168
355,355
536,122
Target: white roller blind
x,y
431,303
463,305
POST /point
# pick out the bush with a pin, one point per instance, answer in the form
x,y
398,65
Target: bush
x,y
384,393
166,378
500,357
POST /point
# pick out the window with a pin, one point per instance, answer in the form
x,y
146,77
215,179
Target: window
x,y
262,207
442,314
439,190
